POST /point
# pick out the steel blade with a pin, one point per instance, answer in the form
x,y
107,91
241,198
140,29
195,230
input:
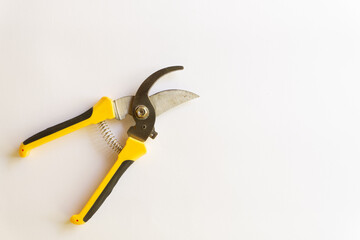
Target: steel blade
x,y
162,101
165,100
122,106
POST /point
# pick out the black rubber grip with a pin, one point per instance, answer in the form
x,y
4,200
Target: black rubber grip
x,y
59,126
108,189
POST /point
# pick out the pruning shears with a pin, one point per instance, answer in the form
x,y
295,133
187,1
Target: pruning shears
x,y
141,107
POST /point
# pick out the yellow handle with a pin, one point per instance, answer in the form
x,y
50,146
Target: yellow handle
x,y
102,110
131,152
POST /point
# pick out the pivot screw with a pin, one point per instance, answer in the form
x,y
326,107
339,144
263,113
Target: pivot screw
x,y
142,112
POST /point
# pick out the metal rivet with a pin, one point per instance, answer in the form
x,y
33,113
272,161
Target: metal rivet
x,y
142,112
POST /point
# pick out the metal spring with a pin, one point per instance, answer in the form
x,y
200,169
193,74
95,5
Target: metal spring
x,y
109,137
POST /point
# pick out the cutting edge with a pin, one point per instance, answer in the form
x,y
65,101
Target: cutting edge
x,y
162,102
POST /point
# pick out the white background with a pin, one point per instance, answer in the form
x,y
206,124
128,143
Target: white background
x,y
270,150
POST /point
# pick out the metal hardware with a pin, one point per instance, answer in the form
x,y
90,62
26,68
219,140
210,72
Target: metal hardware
x,y
162,101
138,131
142,112
109,137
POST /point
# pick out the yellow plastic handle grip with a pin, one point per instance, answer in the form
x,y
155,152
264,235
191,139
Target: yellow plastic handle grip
x,y
131,152
101,111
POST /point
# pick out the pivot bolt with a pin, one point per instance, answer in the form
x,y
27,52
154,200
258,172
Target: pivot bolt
x,y
142,112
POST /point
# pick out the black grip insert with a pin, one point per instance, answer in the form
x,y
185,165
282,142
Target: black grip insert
x,y
108,189
59,126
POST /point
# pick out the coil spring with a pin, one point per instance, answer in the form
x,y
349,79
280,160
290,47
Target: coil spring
x,y
109,137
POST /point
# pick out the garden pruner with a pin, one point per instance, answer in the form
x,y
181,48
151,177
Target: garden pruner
x,y
141,107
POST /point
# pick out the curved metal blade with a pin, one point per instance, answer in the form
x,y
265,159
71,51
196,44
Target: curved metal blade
x,y
165,100
162,101
144,126
144,88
